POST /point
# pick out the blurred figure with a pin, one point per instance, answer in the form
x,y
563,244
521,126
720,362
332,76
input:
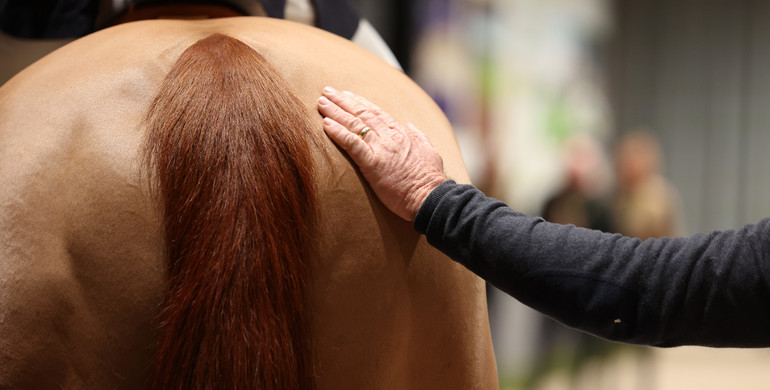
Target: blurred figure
x,y
583,199
583,202
645,205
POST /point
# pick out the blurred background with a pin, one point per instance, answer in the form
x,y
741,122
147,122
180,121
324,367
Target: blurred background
x,y
644,117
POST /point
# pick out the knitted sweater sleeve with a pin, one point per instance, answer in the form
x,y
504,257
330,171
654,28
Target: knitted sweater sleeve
x,y
709,289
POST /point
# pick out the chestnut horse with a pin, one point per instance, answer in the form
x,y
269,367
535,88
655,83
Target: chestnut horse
x,y
172,216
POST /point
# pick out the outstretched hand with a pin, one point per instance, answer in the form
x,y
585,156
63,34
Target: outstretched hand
x,y
397,160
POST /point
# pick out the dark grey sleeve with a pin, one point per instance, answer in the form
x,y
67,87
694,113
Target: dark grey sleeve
x,y
710,289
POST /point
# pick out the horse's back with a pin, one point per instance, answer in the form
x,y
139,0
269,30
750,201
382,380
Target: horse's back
x,y
80,267
81,237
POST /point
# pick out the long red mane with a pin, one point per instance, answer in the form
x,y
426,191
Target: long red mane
x,y
229,150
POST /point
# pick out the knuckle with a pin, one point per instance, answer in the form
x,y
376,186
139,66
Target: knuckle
x,y
352,122
391,123
359,111
347,139
370,120
398,137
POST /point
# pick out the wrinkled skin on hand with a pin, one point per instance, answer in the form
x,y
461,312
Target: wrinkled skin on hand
x,y
397,160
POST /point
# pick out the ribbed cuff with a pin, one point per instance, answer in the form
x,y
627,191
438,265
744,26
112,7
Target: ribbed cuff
x,y
425,212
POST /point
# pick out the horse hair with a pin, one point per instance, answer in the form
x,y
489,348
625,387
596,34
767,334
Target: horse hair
x,y
229,147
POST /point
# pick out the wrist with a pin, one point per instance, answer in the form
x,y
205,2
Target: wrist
x,y
420,194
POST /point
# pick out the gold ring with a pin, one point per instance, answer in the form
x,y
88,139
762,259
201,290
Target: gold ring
x,y
364,131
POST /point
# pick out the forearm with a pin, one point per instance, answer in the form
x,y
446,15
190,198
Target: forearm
x,y
707,290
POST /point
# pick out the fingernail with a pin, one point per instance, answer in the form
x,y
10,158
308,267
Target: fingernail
x,y
329,89
323,101
327,121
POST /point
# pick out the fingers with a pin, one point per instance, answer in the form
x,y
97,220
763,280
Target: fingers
x,y
348,121
356,147
347,101
339,115
359,107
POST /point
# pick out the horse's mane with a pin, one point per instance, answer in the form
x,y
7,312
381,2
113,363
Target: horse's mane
x,y
229,149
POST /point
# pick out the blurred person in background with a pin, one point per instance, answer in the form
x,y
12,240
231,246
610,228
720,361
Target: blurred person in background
x,y
645,204
582,201
709,289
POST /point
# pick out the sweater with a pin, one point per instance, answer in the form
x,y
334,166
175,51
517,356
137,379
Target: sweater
x,y
709,289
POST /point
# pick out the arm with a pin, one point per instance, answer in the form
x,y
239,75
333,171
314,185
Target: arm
x,y
704,290
711,289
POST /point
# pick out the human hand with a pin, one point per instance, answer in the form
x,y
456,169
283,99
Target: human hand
x,y
397,160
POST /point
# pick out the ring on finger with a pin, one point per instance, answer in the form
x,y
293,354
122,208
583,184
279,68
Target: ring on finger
x,y
364,131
